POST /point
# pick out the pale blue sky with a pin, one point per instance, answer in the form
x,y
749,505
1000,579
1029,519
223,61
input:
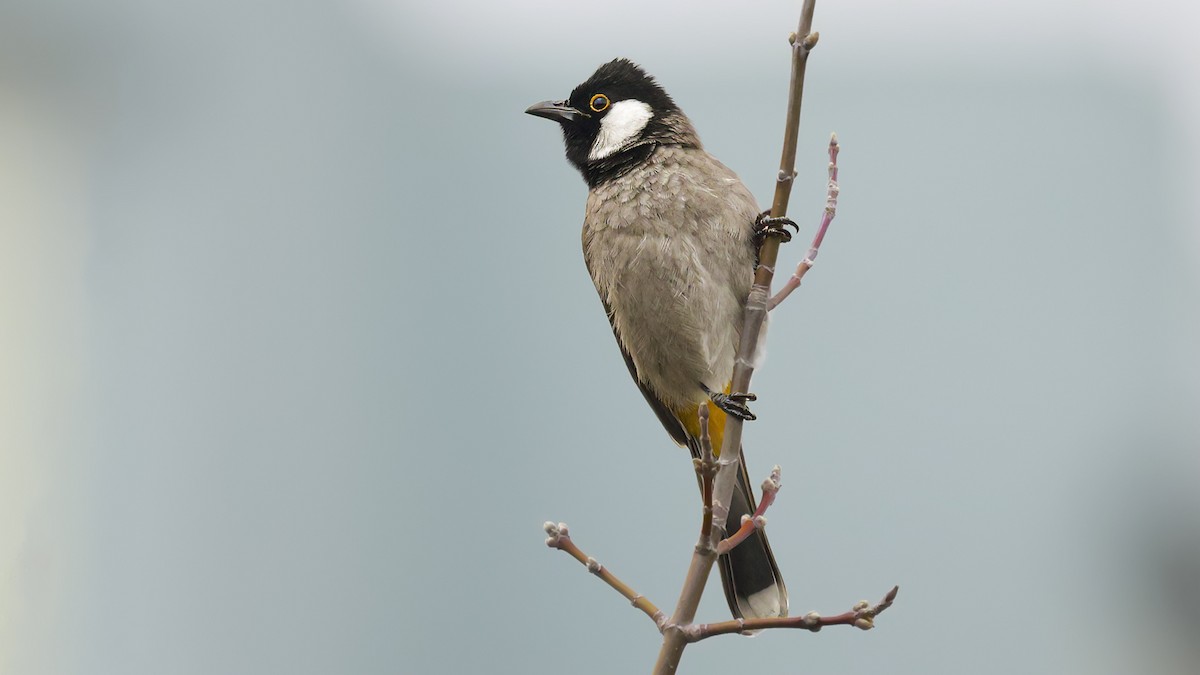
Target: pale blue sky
x,y
297,350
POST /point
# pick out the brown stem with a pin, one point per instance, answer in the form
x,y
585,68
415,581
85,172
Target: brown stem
x,y
802,41
674,636
560,539
706,470
862,617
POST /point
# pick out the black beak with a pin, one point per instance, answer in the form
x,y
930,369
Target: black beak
x,y
558,111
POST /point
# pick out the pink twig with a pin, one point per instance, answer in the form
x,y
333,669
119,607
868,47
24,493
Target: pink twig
x,y
770,488
830,211
862,616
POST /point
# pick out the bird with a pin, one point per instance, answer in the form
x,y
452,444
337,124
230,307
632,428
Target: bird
x,y
670,240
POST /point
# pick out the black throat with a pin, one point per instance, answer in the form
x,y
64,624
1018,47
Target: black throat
x,y
670,129
599,171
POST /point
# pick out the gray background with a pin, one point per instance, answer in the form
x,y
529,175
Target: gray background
x,y
298,352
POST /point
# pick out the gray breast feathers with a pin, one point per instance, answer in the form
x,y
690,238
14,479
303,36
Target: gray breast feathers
x,y
669,246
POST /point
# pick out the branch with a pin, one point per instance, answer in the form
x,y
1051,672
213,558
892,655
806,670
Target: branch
x,y
560,539
770,487
831,198
706,471
862,616
802,41
703,557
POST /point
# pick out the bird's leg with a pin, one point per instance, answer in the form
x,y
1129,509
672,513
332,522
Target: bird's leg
x,y
765,226
733,404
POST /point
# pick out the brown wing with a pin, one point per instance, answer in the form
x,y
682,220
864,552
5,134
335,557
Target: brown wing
x,y
668,419
664,414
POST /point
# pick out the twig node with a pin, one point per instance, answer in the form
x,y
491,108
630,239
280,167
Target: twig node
x,y
813,621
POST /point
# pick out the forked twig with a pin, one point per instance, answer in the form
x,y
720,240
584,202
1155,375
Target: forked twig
x,y
770,488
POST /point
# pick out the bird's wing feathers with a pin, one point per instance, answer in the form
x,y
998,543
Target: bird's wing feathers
x,y
669,421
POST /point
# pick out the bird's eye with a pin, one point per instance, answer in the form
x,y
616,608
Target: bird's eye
x,y
599,103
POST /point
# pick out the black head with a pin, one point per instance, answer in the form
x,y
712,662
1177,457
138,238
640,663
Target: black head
x,y
615,119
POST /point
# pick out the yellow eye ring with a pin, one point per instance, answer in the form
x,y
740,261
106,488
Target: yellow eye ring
x,y
599,103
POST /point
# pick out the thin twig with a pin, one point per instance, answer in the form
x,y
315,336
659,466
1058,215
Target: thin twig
x,y
770,487
830,211
862,616
558,537
706,470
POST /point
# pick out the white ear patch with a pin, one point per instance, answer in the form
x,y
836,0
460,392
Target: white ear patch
x,y
624,121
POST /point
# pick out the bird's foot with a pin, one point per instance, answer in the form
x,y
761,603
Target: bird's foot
x,y
732,404
767,226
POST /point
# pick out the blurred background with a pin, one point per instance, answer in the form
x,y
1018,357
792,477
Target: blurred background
x,y
297,348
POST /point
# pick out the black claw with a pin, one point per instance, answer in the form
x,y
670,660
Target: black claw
x,y
765,218
732,404
765,225
733,407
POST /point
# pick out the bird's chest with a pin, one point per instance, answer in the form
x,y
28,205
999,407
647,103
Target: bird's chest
x,y
669,231
653,251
